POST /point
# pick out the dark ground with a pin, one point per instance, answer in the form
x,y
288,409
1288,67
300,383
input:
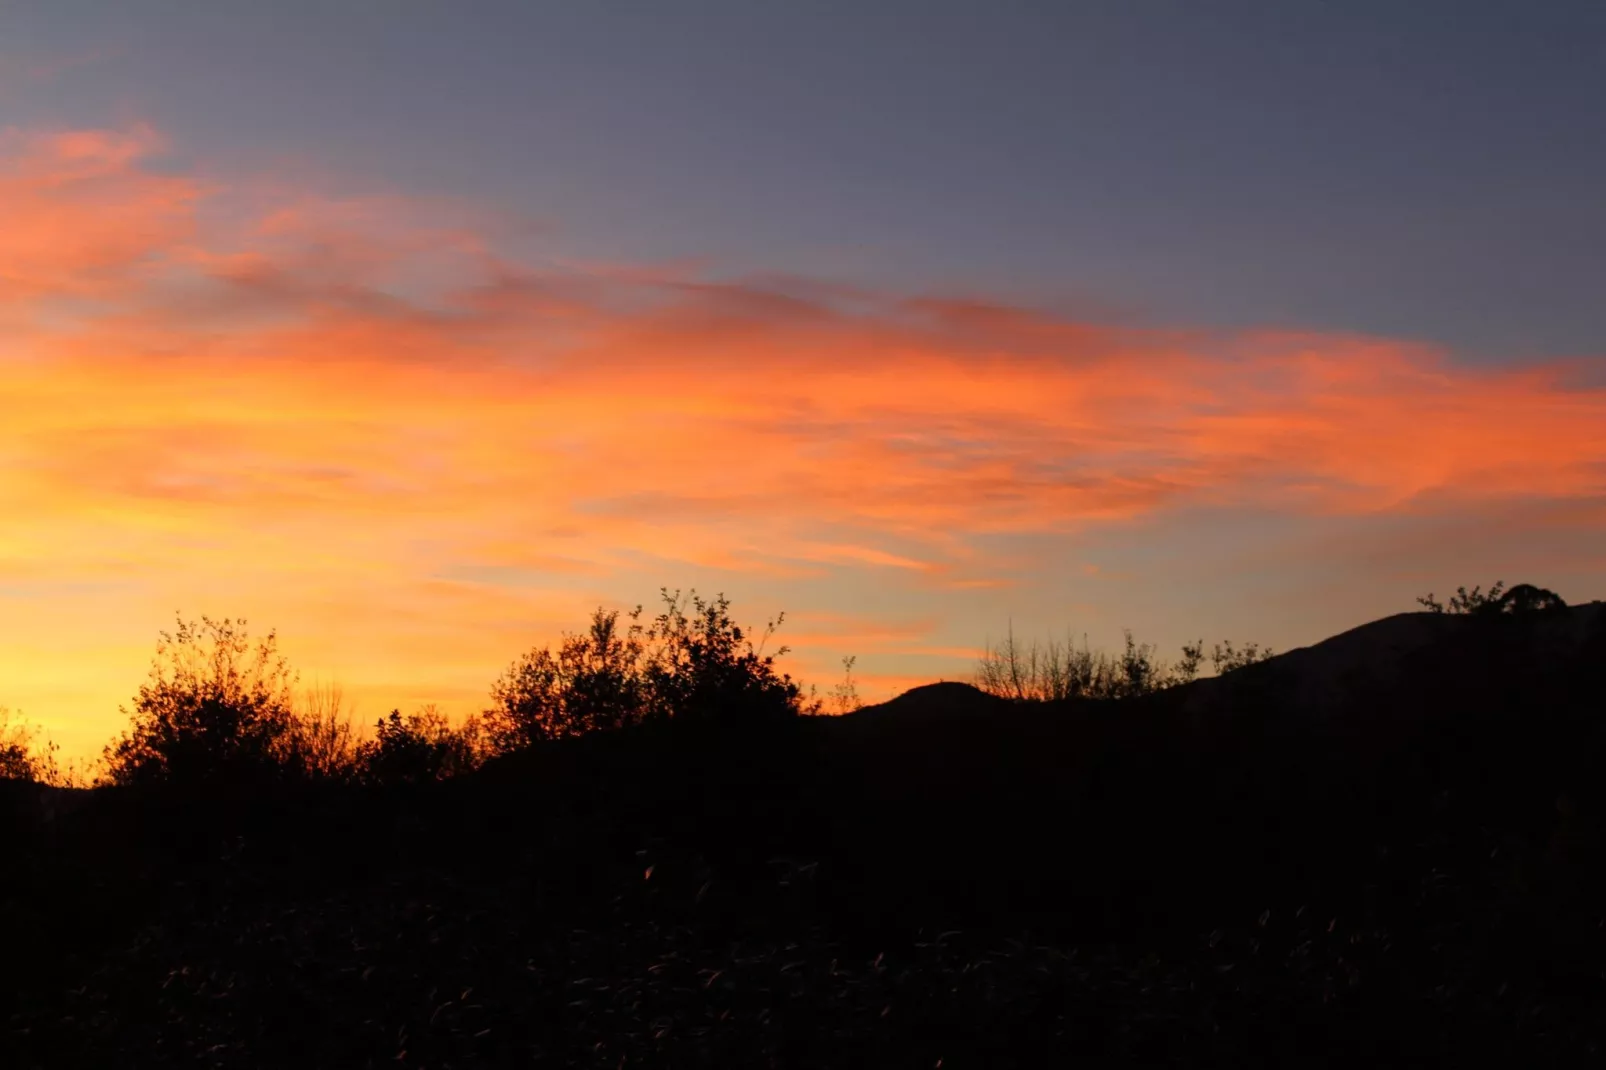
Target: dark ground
x,y
1218,872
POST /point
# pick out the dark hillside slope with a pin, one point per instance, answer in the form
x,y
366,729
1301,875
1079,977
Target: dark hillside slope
x,y
1392,837
1290,774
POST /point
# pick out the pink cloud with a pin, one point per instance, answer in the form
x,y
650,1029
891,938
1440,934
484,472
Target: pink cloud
x,y
361,398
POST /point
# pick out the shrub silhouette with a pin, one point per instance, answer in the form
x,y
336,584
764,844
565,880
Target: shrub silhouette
x,y
1225,657
1523,598
693,662
845,693
213,707
419,748
1047,671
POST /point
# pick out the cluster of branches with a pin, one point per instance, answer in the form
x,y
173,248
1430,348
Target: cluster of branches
x,y
1051,670
24,752
690,662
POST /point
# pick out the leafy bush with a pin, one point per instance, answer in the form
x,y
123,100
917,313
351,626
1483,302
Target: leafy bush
x,y
214,707
692,662
419,748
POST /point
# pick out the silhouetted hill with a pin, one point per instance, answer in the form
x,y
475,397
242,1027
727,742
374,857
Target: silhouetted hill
x,y
1316,678
940,701
1388,842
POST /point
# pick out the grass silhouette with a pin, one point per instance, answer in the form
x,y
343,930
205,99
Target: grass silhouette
x,y
1052,671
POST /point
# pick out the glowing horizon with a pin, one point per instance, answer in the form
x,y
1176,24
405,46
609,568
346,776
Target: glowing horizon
x,y
414,454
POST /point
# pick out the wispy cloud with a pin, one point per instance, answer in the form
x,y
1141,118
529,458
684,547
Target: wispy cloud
x,y
415,447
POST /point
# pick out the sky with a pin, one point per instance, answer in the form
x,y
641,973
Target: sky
x,y
418,330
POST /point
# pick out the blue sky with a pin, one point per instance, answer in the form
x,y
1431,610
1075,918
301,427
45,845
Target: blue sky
x,y
1426,170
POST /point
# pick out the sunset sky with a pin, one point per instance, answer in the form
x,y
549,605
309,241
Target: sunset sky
x,y
417,330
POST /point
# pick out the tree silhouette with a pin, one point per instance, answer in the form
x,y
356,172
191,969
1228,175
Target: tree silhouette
x,y
595,681
324,743
703,665
213,707
1526,598
692,662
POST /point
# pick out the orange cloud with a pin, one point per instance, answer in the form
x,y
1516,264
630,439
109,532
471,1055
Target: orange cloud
x,y
420,455
78,215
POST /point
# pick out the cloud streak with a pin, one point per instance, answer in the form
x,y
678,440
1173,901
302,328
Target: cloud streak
x,y
214,396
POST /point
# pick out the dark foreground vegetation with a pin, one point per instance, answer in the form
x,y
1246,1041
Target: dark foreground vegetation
x,y
1387,846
